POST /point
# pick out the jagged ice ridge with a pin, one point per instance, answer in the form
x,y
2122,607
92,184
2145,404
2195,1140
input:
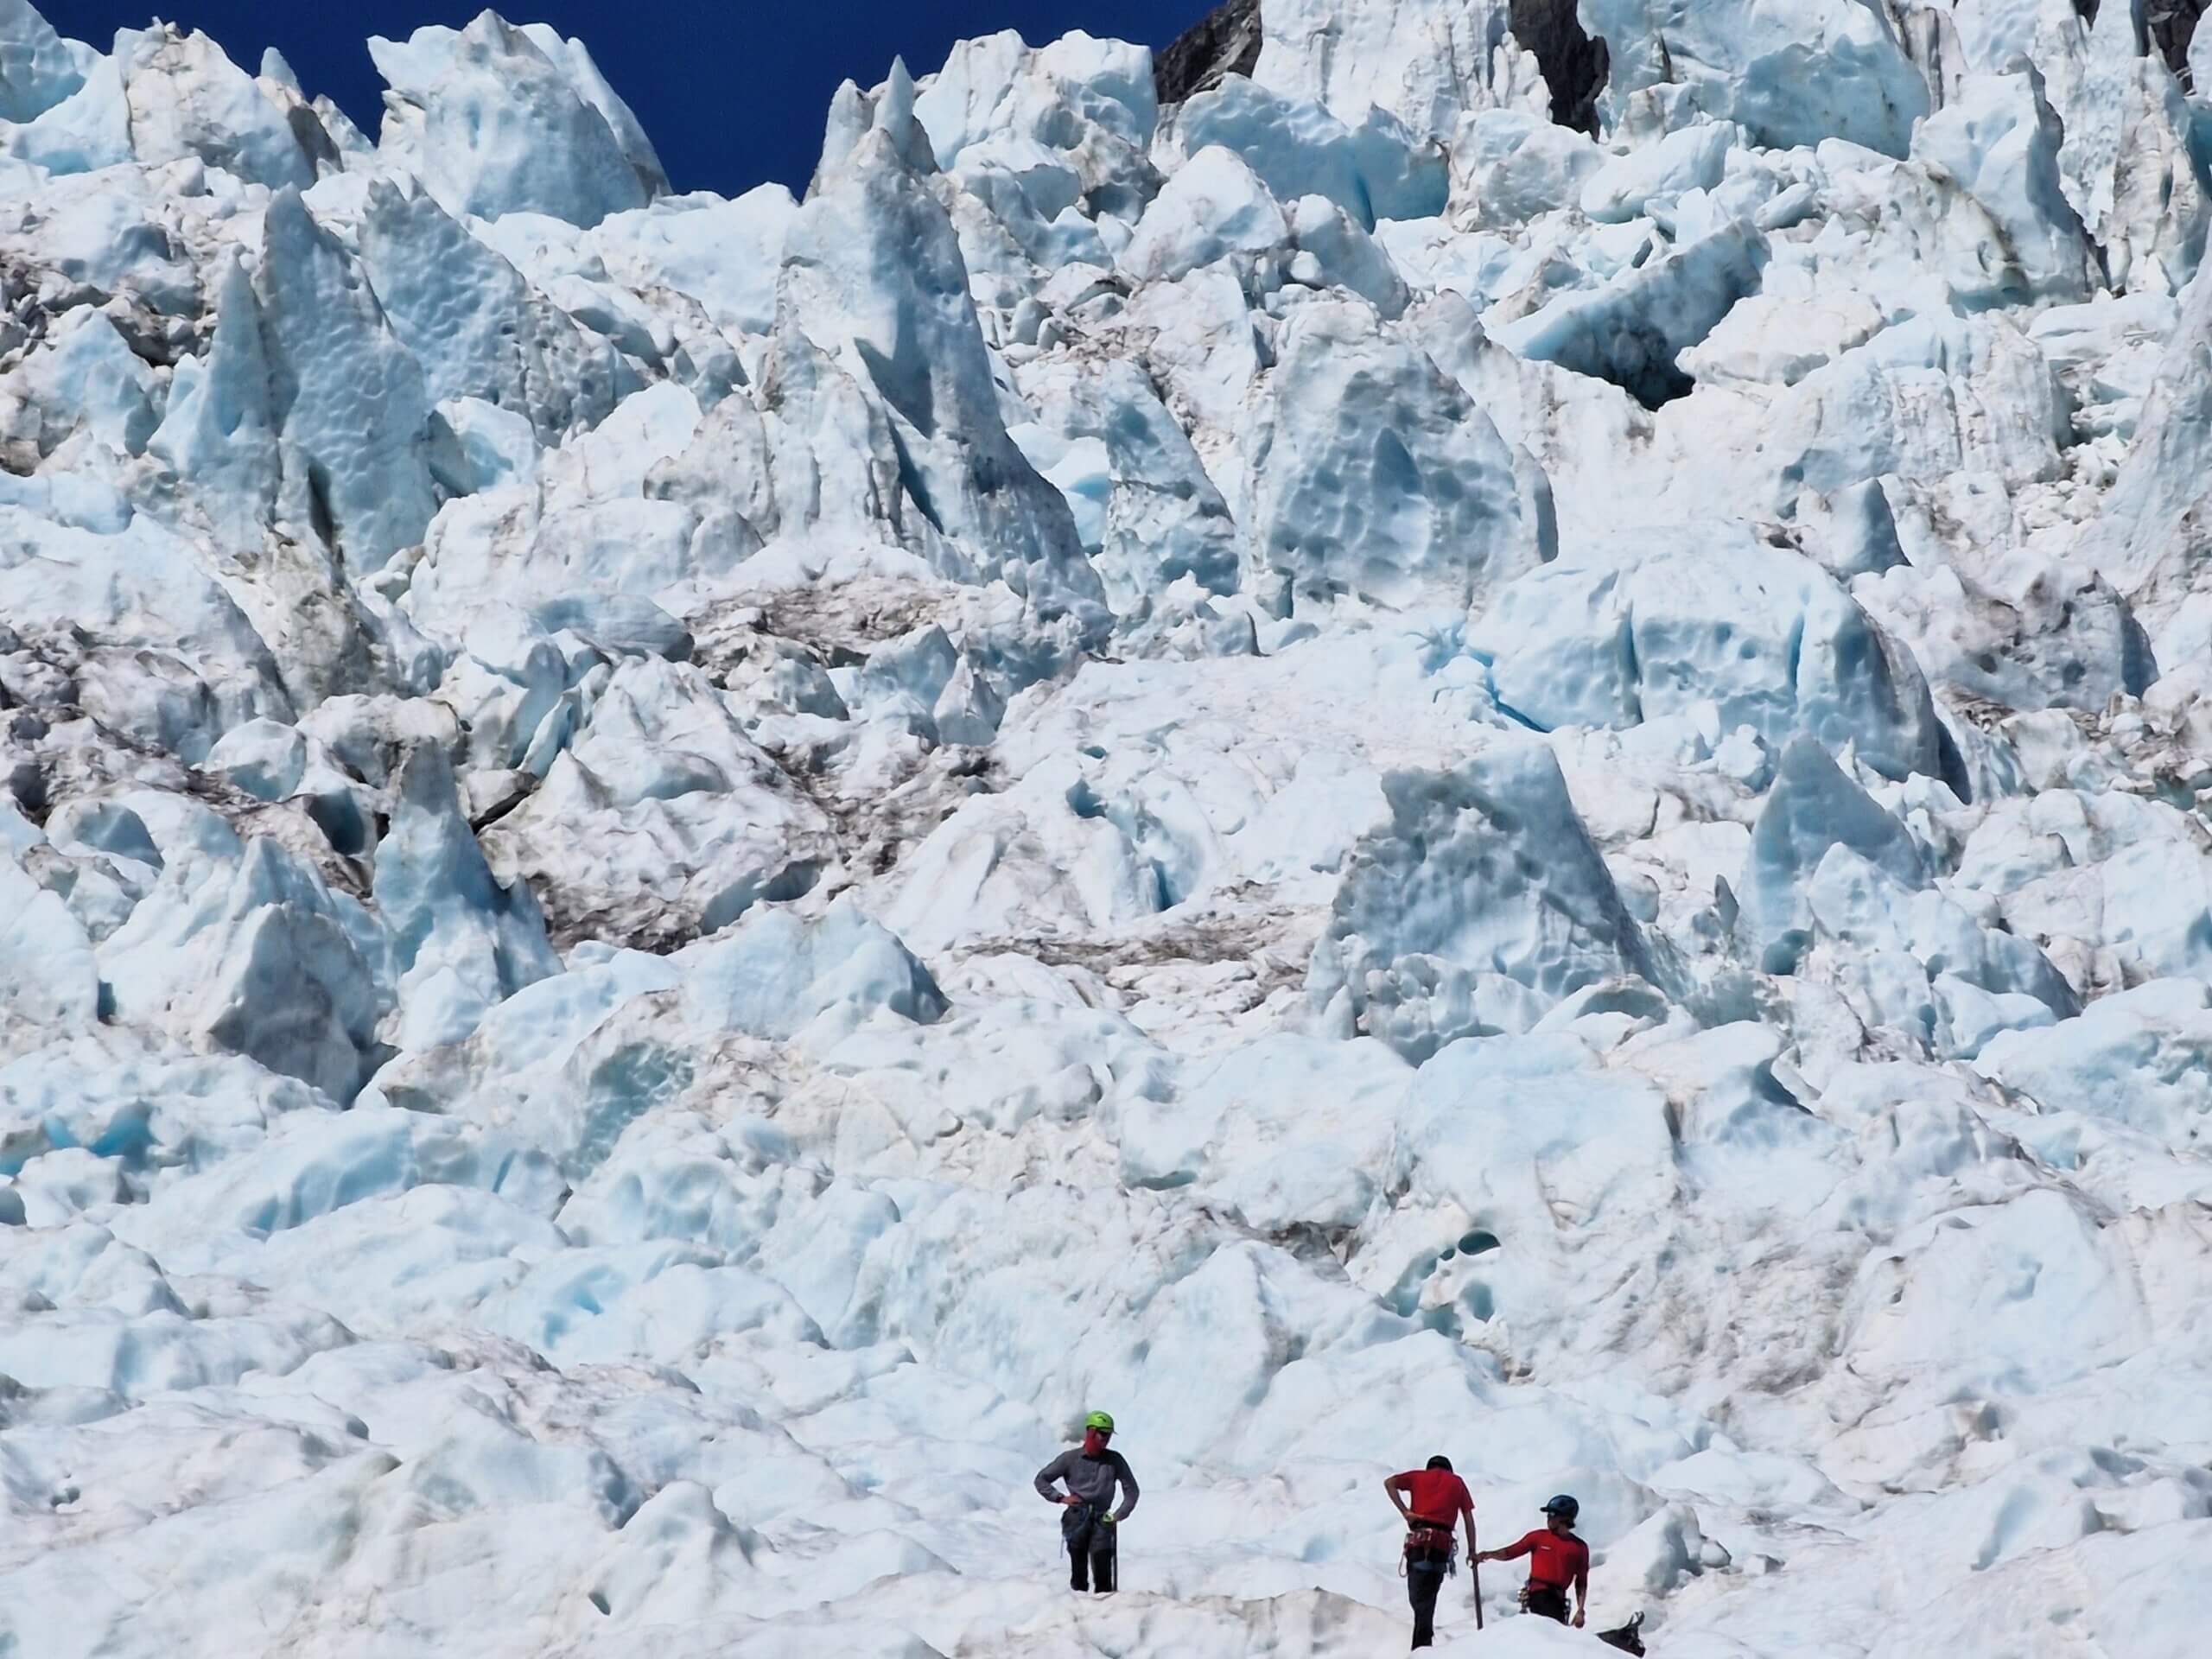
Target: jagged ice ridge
x,y
1450,725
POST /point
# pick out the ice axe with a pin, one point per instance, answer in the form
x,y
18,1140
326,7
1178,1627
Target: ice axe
x,y
1475,1574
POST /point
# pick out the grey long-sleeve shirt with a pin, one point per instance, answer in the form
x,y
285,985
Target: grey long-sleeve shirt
x,y
1091,1479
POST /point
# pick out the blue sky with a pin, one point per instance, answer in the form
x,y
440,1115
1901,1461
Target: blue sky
x,y
731,94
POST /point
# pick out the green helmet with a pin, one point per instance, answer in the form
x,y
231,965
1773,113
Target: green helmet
x,y
1100,1420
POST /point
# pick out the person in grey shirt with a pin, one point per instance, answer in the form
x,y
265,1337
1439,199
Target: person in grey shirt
x,y
1088,1525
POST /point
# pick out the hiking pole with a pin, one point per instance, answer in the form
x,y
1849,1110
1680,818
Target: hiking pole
x,y
1475,1575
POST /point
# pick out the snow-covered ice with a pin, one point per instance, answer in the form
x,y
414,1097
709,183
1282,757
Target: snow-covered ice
x,y
1306,757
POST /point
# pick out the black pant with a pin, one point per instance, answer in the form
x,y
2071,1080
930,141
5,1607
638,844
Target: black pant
x,y
1092,1564
1424,1581
1090,1534
1547,1601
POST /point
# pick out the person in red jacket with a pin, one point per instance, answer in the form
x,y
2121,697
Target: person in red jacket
x,y
1428,1500
1556,1559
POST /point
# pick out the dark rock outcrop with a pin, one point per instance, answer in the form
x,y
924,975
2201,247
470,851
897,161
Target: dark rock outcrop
x,y
2172,25
1225,41
1574,64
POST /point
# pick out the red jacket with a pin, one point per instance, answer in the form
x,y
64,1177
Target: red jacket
x,y
1436,1495
1555,1559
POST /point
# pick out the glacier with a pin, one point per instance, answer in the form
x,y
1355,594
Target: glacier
x,y
1465,726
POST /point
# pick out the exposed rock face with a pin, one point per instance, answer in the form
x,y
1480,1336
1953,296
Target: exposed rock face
x,y
1574,64
1225,41
2172,26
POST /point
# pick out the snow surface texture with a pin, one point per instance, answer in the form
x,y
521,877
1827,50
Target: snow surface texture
x,y
1345,772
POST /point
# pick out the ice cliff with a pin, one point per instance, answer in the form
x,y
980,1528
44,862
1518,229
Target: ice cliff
x,y
1447,725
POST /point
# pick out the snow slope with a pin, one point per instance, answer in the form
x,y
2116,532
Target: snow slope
x,y
1340,770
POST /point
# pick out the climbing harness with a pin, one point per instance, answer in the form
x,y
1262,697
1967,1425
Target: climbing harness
x,y
1428,1541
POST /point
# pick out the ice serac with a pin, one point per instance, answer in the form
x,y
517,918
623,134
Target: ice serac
x,y
2134,154
1827,69
1998,139
244,948
2138,1057
1481,905
351,410
1216,207
1051,138
187,98
85,131
460,944
1811,809
1374,475
831,457
1631,330
52,981
2049,639
776,975
573,59
1509,166
872,272
125,628
1694,157
1652,627
1425,61
82,350
1973,985
1381,169
1922,398
2112,884
37,68
219,434
2154,532
662,762
492,125
724,254
475,327
1147,511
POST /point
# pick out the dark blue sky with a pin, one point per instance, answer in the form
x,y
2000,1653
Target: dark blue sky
x,y
730,94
